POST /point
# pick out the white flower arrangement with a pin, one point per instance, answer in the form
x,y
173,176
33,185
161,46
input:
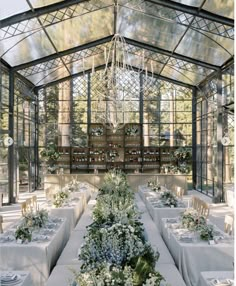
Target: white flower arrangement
x,y
169,199
155,186
60,198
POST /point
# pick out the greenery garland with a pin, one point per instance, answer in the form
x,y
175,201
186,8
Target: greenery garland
x,y
115,251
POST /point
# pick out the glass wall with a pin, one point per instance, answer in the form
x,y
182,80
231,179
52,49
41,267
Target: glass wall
x,y
25,138
4,132
167,114
163,109
214,121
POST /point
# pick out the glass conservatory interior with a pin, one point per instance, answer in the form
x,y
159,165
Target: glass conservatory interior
x,y
90,86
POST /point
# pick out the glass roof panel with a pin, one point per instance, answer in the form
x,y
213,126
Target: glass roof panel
x,y
47,76
25,48
206,47
41,3
80,30
195,3
183,75
224,8
140,27
86,63
12,7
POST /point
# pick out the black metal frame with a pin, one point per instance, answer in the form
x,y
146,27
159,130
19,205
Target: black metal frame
x,y
194,11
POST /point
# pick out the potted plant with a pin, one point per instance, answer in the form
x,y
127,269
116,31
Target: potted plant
x,y
50,155
182,154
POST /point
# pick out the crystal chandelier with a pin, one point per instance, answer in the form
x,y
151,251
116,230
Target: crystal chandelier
x,y
116,69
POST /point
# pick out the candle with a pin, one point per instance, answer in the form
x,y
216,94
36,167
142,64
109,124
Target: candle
x,y
188,203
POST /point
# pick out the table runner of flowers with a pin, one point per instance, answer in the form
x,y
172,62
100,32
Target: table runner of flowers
x,y
115,251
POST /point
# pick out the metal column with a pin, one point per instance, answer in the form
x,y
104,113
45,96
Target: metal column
x,y
194,138
11,157
218,193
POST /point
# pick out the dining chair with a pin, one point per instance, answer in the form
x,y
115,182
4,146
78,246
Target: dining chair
x,y
195,202
34,202
179,191
204,209
229,224
23,208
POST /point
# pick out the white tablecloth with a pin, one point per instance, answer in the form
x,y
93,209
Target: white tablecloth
x,y
72,212
157,213
207,276
193,258
36,257
62,275
171,275
69,254
23,275
160,213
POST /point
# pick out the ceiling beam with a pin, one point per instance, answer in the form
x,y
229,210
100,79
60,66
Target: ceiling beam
x,y
63,53
102,67
194,11
37,12
174,81
68,78
171,54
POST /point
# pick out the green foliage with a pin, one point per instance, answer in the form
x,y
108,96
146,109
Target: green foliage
x,y
115,250
183,153
206,232
50,153
24,233
36,219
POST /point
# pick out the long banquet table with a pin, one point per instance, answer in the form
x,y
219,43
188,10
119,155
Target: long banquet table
x,y
39,256
72,211
194,257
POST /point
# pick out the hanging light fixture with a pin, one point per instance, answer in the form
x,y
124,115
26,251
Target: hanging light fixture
x,y
114,94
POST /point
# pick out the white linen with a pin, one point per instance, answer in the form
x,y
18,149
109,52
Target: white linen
x,y
37,257
171,275
207,276
192,258
72,213
69,254
153,236
62,275
23,276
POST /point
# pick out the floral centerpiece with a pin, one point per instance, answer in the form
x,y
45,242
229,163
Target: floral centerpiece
x,y
36,219
23,233
31,221
169,199
206,232
60,198
191,220
154,186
